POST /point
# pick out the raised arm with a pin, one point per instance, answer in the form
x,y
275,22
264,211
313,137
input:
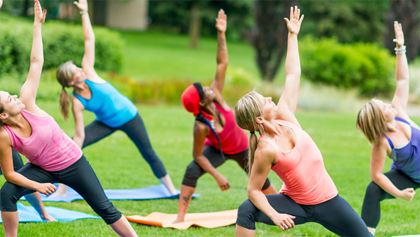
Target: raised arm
x,y
402,85
222,54
30,87
290,95
88,61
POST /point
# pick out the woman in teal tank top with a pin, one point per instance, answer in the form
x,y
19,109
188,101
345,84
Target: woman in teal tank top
x,y
113,111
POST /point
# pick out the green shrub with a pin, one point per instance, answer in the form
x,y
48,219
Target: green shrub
x,y
366,67
62,42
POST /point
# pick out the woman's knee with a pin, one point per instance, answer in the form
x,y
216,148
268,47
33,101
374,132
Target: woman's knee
x,y
9,197
246,215
108,213
374,191
192,174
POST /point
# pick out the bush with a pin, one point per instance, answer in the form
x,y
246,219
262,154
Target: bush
x,y
366,67
62,42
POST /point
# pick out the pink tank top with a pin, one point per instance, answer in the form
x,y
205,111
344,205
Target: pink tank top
x,y
305,179
48,146
233,138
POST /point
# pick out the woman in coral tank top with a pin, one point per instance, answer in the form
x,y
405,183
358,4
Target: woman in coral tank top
x,y
52,155
308,193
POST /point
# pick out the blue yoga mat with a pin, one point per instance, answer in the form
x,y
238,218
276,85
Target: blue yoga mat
x,y
149,193
29,214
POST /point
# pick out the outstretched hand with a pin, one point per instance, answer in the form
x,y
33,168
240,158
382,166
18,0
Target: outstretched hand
x,y
399,35
39,13
293,24
82,5
221,21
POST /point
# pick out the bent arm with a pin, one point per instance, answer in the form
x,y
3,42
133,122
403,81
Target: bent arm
x,y
79,126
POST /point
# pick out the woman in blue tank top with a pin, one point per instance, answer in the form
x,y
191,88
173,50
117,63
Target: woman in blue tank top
x,y
391,133
113,111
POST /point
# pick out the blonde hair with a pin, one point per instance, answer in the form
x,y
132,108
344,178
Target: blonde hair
x,y
371,121
248,108
64,74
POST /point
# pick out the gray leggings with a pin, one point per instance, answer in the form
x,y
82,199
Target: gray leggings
x,y
79,176
194,171
335,214
136,131
371,210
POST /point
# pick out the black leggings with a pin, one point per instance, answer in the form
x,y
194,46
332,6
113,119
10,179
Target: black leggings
x,y
335,214
371,210
79,176
136,131
194,171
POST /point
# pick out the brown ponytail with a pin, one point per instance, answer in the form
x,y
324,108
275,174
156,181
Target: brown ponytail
x,y
64,103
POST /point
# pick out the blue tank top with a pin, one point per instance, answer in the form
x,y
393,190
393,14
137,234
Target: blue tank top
x,y
407,158
109,106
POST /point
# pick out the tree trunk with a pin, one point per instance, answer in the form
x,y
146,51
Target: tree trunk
x,y
195,25
269,37
405,12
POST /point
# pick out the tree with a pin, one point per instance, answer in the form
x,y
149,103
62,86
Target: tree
x,y
406,12
269,36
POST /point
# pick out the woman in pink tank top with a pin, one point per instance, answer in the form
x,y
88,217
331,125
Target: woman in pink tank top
x,y
52,155
217,137
308,193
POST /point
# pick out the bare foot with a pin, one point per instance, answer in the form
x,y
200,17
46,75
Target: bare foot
x,y
47,217
178,220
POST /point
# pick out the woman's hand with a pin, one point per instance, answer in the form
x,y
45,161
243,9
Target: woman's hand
x,y
223,183
82,5
407,194
284,221
39,13
293,24
399,35
221,21
45,188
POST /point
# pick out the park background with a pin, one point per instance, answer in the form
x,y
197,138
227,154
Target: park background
x,y
151,50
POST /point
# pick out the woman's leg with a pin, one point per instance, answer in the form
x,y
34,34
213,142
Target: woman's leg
x,y
11,193
242,160
191,176
94,132
137,132
339,217
371,209
249,214
81,177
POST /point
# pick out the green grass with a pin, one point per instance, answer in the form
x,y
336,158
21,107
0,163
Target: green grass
x,y
151,55
118,165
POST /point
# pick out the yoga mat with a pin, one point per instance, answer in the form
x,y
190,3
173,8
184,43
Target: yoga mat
x,y
149,193
29,214
205,220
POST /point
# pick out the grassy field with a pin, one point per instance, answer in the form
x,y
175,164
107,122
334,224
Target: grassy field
x,y
118,165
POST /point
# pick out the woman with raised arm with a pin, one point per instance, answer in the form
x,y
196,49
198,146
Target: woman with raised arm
x,y
33,198
308,193
113,110
217,137
392,133
52,155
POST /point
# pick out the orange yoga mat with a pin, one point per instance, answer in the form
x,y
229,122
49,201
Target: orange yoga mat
x,y
206,220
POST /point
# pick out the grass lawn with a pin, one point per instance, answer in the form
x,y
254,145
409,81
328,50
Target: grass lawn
x,y
118,165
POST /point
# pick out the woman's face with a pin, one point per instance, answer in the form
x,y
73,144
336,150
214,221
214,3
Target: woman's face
x,y
10,104
78,76
388,110
209,95
269,108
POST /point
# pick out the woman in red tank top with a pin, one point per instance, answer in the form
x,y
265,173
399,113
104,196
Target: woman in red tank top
x,y
308,193
217,137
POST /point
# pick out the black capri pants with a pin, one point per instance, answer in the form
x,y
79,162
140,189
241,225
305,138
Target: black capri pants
x,y
79,176
371,209
194,171
137,132
335,215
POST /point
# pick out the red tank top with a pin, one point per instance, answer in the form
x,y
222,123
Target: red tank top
x,y
305,179
233,138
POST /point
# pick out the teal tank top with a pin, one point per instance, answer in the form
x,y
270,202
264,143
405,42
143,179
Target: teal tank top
x,y
110,106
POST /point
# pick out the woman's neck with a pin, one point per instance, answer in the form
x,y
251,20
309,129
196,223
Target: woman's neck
x,y
17,121
80,87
